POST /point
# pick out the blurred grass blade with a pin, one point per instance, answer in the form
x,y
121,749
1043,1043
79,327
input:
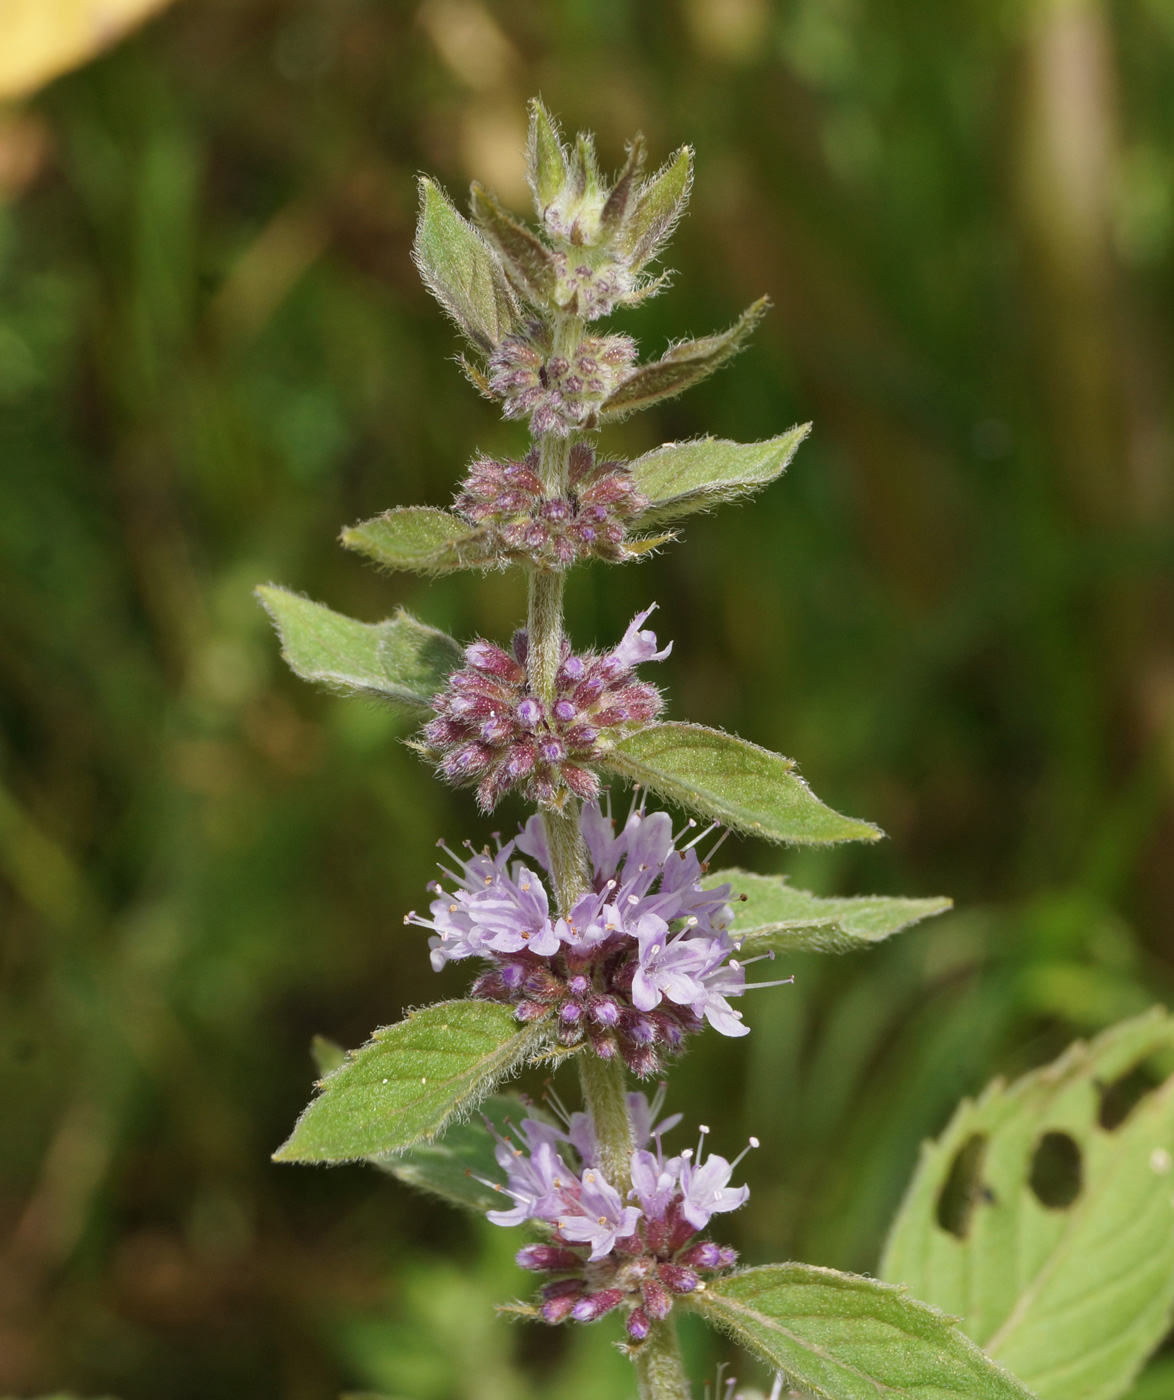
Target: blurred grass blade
x,y
773,915
1050,1234
404,1085
680,367
682,477
460,271
736,783
400,659
843,1337
41,39
422,538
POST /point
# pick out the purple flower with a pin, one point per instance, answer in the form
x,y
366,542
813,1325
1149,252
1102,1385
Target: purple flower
x,y
604,1252
517,520
641,961
491,731
705,1186
636,647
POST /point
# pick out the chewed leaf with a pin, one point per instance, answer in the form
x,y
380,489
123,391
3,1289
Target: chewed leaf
x,y
1049,1233
461,272
457,1165
681,367
739,784
682,477
409,1080
774,916
401,659
422,538
843,1337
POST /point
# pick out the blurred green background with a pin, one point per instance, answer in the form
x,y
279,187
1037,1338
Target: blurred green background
x,y
956,612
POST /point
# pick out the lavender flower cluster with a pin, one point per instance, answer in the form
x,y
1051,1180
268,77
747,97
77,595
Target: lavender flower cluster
x,y
493,731
508,501
557,393
643,959
603,1252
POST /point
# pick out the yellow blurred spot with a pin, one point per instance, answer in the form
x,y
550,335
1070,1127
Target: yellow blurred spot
x,y
469,41
730,30
40,39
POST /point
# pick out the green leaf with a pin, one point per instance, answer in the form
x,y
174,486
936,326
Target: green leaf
x,y
400,659
328,1054
1051,1235
449,1167
843,1337
680,367
460,271
660,204
682,477
422,538
405,1084
738,784
527,259
546,161
774,916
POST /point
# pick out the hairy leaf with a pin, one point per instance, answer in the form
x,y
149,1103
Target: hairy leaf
x,y
546,161
409,1080
660,204
527,259
1051,1235
843,1337
400,659
680,367
460,271
774,916
682,477
422,538
739,784
450,1166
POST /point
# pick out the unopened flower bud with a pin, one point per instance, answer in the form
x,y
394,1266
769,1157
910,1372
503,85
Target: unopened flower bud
x,y
658,1301
678,1279
596,1304
638,1324
547,1258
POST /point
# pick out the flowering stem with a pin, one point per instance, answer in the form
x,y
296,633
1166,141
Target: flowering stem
x,y
659,1368
658,1361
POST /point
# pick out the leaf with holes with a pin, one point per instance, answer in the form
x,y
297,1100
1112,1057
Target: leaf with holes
x,y
770,915
422,538
843,1337
409,1080
682,477
400,659
739,784
1047,1224
681,366
461,272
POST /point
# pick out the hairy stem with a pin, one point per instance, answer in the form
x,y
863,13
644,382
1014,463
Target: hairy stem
x,y
658,1360
659,1368
544,632
605,1095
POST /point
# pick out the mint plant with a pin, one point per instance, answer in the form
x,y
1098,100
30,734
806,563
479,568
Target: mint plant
x,y
599,932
